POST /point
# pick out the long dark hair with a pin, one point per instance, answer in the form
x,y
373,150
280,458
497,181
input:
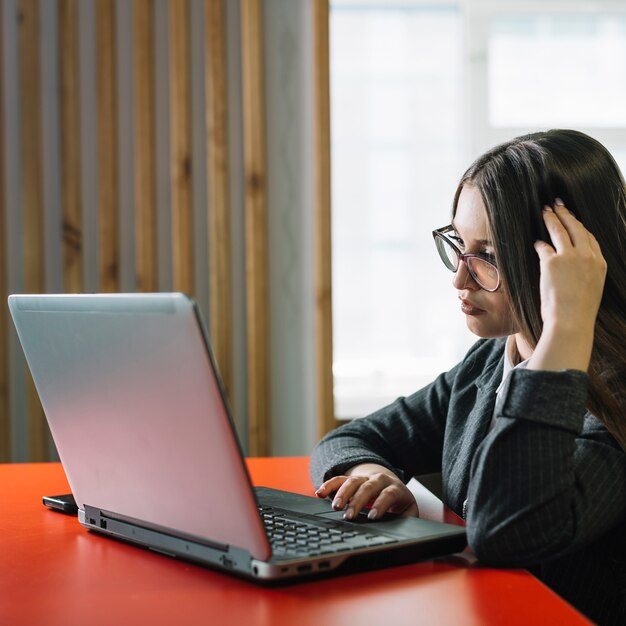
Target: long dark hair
x,y
516,179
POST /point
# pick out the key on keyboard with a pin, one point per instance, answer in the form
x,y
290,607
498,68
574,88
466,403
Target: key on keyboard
x,y
292,535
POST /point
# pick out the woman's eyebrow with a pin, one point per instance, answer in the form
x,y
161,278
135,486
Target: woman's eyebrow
x,y
482,242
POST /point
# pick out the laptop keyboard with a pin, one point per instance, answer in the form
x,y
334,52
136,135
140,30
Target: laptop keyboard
x,y
292,535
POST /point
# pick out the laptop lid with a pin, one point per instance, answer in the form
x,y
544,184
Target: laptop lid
x,y
126,391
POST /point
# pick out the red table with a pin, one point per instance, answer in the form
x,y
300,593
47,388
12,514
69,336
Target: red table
x,y
52,571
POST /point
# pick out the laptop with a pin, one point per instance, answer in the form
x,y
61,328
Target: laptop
x,y
139,417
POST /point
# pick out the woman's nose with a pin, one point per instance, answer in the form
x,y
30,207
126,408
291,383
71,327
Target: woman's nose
x,y
462,278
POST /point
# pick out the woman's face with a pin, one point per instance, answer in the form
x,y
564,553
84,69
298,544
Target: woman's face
x,y
487,314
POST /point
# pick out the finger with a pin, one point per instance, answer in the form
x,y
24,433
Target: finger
x,y
543,249
334,488
394,498
361,498
559,236
582,240
578,234
377,511
346,492
593,243
326,489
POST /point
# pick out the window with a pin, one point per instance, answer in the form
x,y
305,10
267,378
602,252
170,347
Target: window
x,y
418,90
539,66
397,153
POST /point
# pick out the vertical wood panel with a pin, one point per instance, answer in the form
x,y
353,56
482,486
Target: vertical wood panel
x,y
162,140
32,199
322,243
88,136
30,135
198,154
4,371
89,180
50,156
69,106
13,244
220,273
108,240
145,197
51,146
125,131
182,239
239,390
256,228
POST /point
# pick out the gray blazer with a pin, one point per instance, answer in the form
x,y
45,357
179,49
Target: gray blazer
x,y
545,489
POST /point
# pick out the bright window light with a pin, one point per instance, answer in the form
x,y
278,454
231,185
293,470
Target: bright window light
x,y
397,156
418,89
553,70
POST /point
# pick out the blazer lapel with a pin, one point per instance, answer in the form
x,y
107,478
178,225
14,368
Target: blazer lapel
x,y
458,459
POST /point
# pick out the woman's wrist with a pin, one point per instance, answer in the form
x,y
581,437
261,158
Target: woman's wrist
x,y
367,469
561,347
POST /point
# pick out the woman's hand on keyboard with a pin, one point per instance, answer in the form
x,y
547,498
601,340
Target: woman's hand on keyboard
x,y
369,483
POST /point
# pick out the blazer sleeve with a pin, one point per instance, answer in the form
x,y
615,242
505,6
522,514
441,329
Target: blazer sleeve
x,y
406,436
549,478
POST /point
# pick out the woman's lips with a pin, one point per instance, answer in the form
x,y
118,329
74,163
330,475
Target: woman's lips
x,y
469,309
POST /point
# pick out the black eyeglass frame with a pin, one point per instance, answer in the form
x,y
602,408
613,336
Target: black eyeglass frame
x,y
440,233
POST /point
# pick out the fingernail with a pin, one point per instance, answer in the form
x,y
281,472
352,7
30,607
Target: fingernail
x,y
547,208
559,202
337,503
349,514
373,514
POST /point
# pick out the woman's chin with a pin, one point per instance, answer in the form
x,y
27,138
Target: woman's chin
x,y
480,326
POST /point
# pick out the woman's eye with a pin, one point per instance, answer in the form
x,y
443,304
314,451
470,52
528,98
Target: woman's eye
x,y
457,240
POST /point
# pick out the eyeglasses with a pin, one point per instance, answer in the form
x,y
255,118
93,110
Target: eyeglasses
x,y
483,271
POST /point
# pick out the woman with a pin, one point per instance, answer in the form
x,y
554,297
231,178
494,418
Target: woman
x,y
529,430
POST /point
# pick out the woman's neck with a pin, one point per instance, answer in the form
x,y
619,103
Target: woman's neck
x,y
519,350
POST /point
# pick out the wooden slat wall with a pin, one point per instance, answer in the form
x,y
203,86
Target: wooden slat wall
x,y
90,198
256,226
4,347
144,120
11,252
32,192
152,203
219,202
322,243
108,244
181,169
70,140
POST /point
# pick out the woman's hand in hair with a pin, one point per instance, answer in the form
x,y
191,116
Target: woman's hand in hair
x,y
369,483
572,278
